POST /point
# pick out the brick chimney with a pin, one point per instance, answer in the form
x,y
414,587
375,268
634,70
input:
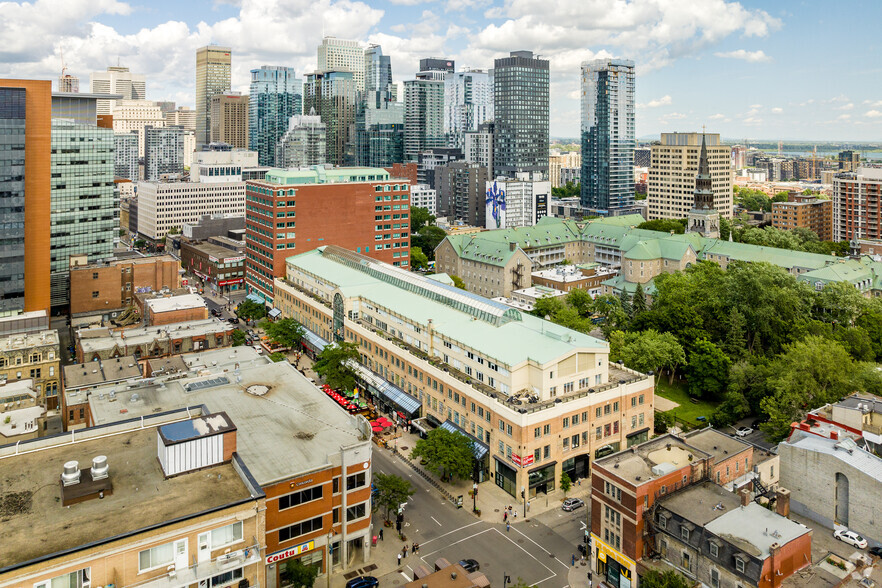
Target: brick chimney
x,y
782,502
744,493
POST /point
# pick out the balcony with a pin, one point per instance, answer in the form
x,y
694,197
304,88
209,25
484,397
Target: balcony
x,y
180,578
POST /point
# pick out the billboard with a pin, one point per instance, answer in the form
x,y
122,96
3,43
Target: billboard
x,y
495,206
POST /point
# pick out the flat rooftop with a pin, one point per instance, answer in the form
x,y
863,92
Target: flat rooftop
x,y
94,373
285,423
701,503
28,340
124,257
754,528
101,338
218,251
30,494
172,303
717,444
635,463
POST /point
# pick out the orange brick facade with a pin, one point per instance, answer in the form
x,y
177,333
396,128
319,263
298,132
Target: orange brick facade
x,y
99,288
806,212
404,170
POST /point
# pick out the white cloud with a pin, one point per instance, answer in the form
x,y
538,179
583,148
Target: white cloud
x,y
673,116
663,101
717,116
777,110
843,117
743,54
409,2
848,106
873,114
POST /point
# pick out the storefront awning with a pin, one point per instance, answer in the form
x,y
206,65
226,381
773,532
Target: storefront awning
x,y
313,341
401,399
480,449
635,433
254,297
542,467
273,313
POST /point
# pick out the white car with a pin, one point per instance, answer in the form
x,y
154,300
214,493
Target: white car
x,y
743,431
851,538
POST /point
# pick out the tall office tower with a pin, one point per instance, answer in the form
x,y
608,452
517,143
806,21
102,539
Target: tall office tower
x,y
125,156
276,95
478,145
134,115
117,80
739,156
163,152
379,124
428,161
229,120
83,205
468,102
378,84
423,115
332,95
182,116
608,139
25,129
642,157
672,175
520,109
305,142
68,83
340,55
213,66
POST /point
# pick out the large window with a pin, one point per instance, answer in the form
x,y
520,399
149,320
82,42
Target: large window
x,y
299,529
77,579
356,481
298,498
226,535
161,555
226,577
356,512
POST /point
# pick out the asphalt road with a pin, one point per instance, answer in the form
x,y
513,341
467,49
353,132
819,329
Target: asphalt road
x,y
538,550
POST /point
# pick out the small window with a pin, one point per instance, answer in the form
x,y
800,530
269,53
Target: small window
x,y
684,533
714,550
94,294
739,565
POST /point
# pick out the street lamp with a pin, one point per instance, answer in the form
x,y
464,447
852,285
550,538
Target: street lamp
x,y
524,496
330,556
474,496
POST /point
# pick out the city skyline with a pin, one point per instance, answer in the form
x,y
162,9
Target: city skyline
x,y
767,84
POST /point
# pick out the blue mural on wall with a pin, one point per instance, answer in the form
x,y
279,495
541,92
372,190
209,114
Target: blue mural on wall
x,y
495,202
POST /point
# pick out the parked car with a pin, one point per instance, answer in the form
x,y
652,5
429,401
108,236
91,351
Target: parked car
x,y
362,582
572,504
216,312
877,551
851,538
756,424
470,565
743,431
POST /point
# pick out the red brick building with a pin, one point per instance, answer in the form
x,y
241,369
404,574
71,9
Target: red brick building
x,y
804,211
294,211
404,170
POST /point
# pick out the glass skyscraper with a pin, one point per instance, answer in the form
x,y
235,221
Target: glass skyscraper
x,y
608,136
468,102
520,108
379,124
276,96
82,215
332,95
12,199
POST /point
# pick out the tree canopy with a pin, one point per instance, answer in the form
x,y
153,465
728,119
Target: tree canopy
x,y
418,259
447,454
331,364
427,239
569,190
285,332
249,310
666,579
419,218
392,491
665,225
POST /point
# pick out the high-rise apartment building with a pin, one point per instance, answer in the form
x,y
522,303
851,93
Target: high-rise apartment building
x,y
423,115
182,116
378,84
163,152
304,144
342,55
134,115
468,103
332,95
213,65
125,156
558,161
68,83
362,209
478,145
117,80
849,160
806,211
857,204
422,196
276,95
461,188
516,202
82,201
520,109
25,195
608,135
229,120
673,166
429,160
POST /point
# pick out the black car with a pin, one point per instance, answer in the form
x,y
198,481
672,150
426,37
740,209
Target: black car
x,y
470,565
877,551
362,582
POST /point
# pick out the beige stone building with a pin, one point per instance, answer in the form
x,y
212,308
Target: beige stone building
x,y
229,119
134,115
672,171
558,161
33,356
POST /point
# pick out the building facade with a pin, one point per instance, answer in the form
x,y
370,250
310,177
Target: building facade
x,y
423,196
222,270
163,152
342,55
182,116
461,188
857,203
134,115
806,211
83,202
213,64
520,108
849,161
229,119
32,356
332,95
536,408
125,156
25,172
276,95
166,205
287,213
557,162
304,144
116,80
468,103
478,146
519,201
423,116
99,343
608,134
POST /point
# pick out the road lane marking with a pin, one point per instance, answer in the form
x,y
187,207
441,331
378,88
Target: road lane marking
x,y
405,575
543,549
423,557
436,520
453,531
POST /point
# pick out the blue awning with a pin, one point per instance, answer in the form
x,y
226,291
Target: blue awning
x,y
313,341
401,399
254,297
480,448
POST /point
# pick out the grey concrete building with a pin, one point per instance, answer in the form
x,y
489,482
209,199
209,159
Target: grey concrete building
x,y
163,151
461,186
520,108
126,156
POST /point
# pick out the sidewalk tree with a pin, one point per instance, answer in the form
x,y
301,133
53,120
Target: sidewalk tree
x,y
250,310
285,332
298,574
277,356
332,365
565,483
392,491
238,337
450,455
666,579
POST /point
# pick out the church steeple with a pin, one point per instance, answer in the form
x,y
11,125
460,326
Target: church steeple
x,y
704,189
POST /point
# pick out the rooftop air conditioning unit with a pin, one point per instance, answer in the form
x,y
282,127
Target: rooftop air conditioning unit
x,y
71,473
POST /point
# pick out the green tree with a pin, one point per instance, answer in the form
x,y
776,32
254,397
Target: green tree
x,y
249,310
392,491
581,301
427,239
418,259
457,281
333,364
638,302
300,575
625,303
238,337
450,455
707,371
419,218
839,302
661,422
565,483
665,225
548,306
651,351
285,332
278,356
666,579
568,191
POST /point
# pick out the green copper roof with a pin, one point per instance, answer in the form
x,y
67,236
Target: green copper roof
x,y
320,175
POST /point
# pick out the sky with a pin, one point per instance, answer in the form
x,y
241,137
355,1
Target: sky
x,y
790,70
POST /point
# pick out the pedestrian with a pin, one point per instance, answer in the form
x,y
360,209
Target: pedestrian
x,y
573,563
381,534
417,548
505,517
514,513
399,559
405,551
413,548
507,527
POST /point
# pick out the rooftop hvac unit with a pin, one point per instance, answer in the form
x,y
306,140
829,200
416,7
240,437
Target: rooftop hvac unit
x,y
71,473
100,469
